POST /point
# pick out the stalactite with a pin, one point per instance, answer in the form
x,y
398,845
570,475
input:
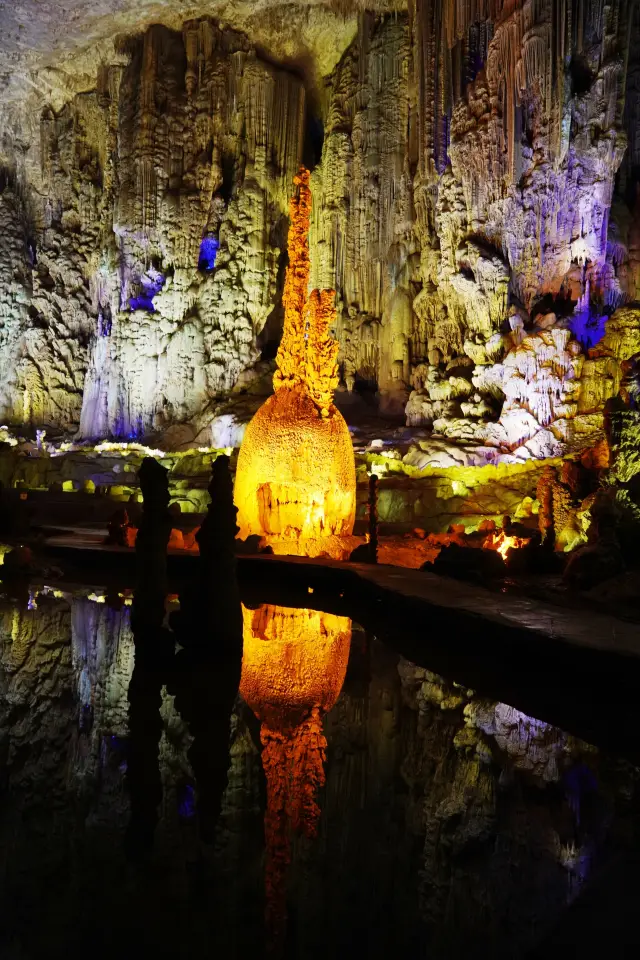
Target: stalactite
x,y
469,149
217,163
361,227
528,50
292,346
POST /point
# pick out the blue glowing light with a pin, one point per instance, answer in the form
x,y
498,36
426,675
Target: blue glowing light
x,y
86,718
142,303
104,323
578,781
150,285
187,802
113,748
588,328
208,253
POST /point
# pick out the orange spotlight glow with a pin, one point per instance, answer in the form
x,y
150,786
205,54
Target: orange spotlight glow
x,y
293,667
295,478
503,544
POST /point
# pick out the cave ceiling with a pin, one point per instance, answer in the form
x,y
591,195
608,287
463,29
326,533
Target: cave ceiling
x,y
50,47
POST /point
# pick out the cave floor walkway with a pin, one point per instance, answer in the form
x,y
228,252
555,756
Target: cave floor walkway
x,y
573,621
512,607
562,659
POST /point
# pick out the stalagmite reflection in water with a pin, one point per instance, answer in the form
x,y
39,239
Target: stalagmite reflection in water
x,y
293,668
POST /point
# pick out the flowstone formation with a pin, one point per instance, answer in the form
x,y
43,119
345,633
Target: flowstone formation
x,y
295,479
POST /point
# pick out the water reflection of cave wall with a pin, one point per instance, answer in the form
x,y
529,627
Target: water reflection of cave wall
x,y
440,810
65,668
464,824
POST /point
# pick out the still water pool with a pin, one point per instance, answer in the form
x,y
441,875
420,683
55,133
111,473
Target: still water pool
x,y
312,794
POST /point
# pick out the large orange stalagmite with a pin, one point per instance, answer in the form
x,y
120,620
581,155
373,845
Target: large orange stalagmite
x,y
295,479
293,667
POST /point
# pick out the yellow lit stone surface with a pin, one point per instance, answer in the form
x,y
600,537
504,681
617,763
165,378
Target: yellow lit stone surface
x,y
296,478
296,473
293,660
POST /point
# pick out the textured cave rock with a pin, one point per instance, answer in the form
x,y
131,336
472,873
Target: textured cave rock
x,y
362,223
114,326
441,250
475,208
530,181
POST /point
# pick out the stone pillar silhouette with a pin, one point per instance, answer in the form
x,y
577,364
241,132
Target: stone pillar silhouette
x,y
207,670
151,544
373,518
216,536
153,648
218,579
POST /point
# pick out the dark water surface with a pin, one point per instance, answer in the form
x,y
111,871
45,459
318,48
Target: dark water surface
x,y
447,824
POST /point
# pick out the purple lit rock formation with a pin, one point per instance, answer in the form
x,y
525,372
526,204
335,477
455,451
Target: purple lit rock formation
x,y
475,207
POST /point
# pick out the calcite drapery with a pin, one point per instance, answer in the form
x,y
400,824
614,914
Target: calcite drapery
x,y
361,230
216,161
494,177
114,327
531,179
467,171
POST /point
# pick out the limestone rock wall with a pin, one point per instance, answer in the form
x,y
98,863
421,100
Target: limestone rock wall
x,y
362,238
209,140
528,156
474,207
463,206
126,326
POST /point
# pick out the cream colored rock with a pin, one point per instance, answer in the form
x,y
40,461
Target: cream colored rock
x,y
449,202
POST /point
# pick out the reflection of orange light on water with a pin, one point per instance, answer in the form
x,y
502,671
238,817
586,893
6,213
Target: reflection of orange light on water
x,y
293,667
